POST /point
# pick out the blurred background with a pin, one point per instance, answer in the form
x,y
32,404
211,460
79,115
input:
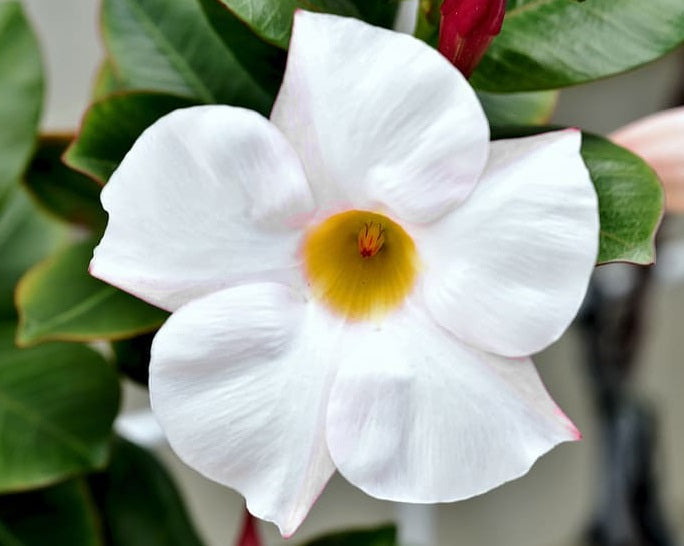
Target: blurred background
x,y
555,502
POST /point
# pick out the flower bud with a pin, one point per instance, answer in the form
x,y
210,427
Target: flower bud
x,y
466,29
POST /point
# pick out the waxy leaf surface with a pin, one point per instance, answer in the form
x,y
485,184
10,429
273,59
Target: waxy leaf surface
x,y
61,515
57,405
26,237
532,108
547,44
58,300
64,192
168,46
381,536
111,126
21,93
139,502
272,19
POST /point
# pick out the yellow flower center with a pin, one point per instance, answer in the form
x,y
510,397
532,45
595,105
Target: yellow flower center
x,y
360,264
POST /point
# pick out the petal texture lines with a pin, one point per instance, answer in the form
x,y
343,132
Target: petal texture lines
x,y
417,416
509,269
239,381
380,120
205,198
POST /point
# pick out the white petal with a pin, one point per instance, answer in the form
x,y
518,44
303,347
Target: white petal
x,y
239,381
417,416
204,199
379,119
508,270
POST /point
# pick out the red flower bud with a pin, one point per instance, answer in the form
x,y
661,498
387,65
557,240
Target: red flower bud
x,y
466,29
249,536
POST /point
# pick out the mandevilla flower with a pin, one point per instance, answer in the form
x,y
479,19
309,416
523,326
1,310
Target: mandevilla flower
x,y
466,29
355,283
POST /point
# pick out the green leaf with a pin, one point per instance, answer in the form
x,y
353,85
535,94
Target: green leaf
x,y
58,300
382,536
133,357
168,46
26,237
65,193
547,44
630,197
111,126
57,405
380,13
631,201
140,503
272,19
61,515
264,62
107,81
533,108
427,24
21,93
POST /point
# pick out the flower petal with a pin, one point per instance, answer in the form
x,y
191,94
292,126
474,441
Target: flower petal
x,y
659,140
379,119
202,200
417,416
509,269
239,381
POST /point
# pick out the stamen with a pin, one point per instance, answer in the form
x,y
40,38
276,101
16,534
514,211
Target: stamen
x,y
371,238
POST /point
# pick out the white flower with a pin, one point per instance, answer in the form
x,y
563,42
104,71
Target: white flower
x,y
355,283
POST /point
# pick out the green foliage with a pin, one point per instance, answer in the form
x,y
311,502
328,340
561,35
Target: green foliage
x,y
555,43
21,93
264,62
139,503
272,19
382,536
133,357
168,46
57,404
58,300
111,126
532,108
61,515
64,192
26,237
630,201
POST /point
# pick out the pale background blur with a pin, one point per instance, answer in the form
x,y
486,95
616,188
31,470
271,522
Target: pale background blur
x,y
550,506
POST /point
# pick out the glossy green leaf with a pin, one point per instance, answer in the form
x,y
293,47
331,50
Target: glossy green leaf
x,y
58,300
21,93
547,44
380,13
630,196
26,237
133,357
57,405
111,126
631,201
64,192
139,502
264,62
427,23
382,536
533,108
168,46
272,19
107,81
61,515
